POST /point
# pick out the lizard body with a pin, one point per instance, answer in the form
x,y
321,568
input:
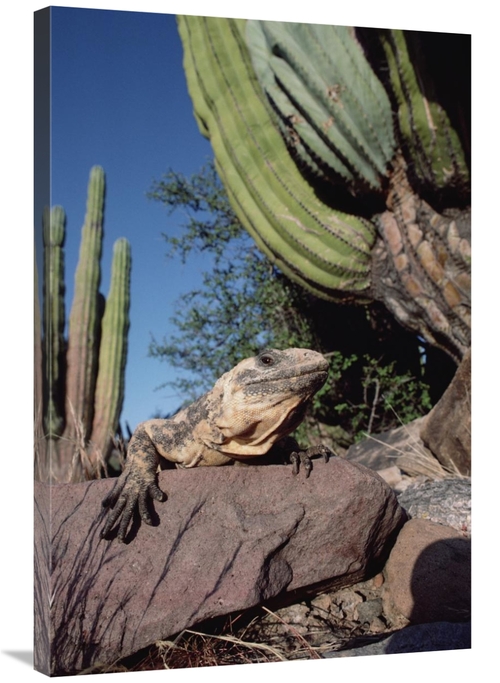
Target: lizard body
x,y
250,408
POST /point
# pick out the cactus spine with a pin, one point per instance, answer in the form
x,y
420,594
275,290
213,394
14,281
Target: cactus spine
x,y
92,362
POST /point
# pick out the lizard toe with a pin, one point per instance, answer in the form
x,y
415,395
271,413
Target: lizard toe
x,y
156,493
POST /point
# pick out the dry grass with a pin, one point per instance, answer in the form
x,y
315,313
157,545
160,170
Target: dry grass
x,y
416,459
293,631
419,461
227,644
193,649
86,461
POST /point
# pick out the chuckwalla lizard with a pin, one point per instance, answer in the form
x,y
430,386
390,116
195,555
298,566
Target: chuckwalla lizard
x,y
251,408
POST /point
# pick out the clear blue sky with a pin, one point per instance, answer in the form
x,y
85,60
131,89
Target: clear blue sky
x,y
119,99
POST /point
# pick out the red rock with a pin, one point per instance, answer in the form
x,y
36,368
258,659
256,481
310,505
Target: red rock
x,y
228,538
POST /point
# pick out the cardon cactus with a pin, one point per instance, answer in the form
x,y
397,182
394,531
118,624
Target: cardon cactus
x,y
345,197
327,251
331,109
83,377
84,319
53,225
432,144
110,387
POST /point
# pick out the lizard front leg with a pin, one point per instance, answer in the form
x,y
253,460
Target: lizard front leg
x,y
135,485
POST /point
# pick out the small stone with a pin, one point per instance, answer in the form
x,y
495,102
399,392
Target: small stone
x,y
322,603
369,610
377,626
348,601
336,612
295,614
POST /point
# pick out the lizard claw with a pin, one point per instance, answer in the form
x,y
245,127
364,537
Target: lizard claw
x,y
299,459
304,458
322,450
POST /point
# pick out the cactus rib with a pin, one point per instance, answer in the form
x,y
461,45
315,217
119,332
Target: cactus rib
x,y
320,84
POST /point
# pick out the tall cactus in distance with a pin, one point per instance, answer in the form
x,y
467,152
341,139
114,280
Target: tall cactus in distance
x,y
40,443
84,377
346,172
84,319
54,347
110,387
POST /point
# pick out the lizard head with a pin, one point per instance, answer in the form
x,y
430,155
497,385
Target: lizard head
x,y
263,398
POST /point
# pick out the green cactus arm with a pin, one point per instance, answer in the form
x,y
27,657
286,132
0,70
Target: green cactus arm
x,y
83,336
110,387
434,146
53,225
272,199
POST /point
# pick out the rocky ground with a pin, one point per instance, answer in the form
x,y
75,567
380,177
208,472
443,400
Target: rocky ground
x,y
408,607
419,602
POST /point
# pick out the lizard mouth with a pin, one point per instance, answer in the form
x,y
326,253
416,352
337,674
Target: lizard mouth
x,y
315,377
306,382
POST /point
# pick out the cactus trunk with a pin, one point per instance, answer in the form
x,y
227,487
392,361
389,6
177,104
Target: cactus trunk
x,y
53,319
84,321
110,386
422,267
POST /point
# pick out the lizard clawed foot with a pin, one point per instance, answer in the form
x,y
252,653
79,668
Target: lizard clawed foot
x,y
304,458
128,493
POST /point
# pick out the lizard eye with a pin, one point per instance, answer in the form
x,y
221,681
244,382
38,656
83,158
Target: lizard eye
x,y
266,359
